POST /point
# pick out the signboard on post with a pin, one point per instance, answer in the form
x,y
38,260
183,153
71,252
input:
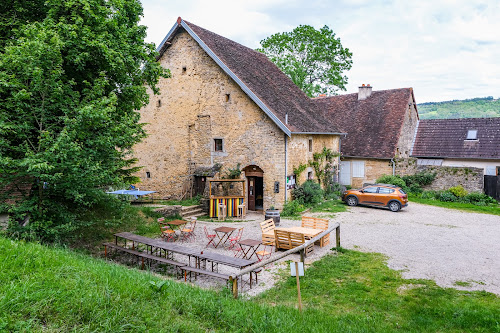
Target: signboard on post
x,y
297,269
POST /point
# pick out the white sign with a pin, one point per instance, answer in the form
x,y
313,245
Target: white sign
x,y
301,268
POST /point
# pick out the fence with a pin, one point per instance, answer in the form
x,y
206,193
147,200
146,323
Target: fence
x,y
301,248
492,186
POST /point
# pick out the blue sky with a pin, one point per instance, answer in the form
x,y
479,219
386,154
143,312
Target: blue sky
x,y
443,49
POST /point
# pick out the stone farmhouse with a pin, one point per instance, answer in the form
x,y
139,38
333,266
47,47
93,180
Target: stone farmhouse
x,y
469,148
227,107
380,128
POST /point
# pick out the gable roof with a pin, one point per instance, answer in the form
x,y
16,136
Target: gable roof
x,y
447,138
373,125
288,106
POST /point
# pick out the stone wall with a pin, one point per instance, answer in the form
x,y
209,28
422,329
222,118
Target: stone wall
x,y
472,179
407,133
169,210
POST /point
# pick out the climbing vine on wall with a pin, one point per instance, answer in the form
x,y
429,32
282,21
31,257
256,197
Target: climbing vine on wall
x,y
323,165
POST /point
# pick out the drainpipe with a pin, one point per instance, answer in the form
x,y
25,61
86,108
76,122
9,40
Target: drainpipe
x,y
393,167
286,156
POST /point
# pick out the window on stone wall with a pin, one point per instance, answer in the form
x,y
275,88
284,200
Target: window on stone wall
x,y
358,169
218,145
148,174
228,97
310,175
310,145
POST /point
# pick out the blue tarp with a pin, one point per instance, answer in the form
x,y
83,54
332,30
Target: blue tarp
x,y
135,193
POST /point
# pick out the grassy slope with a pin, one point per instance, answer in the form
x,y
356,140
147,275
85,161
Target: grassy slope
x,y
493,210
470,108
56,290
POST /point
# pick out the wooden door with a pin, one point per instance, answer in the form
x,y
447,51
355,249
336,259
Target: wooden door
x,y
251,193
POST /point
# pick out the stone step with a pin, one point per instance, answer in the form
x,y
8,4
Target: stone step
x,y
193,215
188,209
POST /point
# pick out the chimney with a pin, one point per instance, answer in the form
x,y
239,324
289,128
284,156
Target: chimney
x,y
321,95
364,92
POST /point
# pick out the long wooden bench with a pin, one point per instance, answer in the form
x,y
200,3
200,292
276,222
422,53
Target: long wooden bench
x,y
288,240
196,271
143,255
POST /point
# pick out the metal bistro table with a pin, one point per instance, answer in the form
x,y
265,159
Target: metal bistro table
x,y
223,233
176,223
249,247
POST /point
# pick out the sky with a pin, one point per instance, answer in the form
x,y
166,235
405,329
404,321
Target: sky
x,y
443,49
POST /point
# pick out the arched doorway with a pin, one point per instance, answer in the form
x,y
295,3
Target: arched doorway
x,y
255,187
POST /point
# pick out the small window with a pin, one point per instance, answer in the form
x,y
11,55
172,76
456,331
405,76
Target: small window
x,y
148,174
370,189
184,69
158,103
310,145
218,145
310,175
471,135
385,190
228,97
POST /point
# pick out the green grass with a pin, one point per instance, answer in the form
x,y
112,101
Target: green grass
x,y
493,210
330,206
56,290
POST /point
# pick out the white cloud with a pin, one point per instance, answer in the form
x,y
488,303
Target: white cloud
x,y
444,49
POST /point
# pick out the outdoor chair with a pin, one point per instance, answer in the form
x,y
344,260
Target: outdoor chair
x,y
210,237
267,228
187,233
166,233
317,223
265,253
235,239
237,250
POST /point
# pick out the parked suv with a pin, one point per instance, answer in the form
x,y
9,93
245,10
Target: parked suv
x,y
380,195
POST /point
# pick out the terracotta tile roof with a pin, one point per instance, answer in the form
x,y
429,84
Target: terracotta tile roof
x,y
266,81
373,125
447,138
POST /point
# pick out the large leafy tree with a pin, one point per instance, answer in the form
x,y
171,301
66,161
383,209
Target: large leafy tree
x,y
72,76
314,59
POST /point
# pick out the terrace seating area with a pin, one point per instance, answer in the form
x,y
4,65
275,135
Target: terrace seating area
x,y
206,252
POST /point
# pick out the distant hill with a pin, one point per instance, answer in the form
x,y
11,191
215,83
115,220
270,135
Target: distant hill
x,y
486,107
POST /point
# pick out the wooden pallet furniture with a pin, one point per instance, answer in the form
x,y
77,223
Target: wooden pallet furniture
x,y
288,240
317,223
267,228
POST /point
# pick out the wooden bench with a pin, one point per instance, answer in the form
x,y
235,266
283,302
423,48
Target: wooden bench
x,y
196,271
289,240
267,228
317,223
143,255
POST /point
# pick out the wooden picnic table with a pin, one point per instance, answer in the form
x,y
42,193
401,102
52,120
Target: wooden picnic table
x,y
226,232
216,258
307,232
251,245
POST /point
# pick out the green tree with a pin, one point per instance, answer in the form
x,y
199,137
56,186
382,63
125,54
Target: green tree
x,y
71,82
314,59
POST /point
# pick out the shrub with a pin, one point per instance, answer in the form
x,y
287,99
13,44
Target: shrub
x,y
447,196
292,208
420,179
309,193
478,198
429,195
394,180
458,191
414,188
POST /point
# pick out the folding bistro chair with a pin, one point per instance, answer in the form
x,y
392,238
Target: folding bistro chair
x,y
235,239
187,233
265,253
165,232
210,237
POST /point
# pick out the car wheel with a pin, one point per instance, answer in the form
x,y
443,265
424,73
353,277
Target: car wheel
x,y
352,201
394,206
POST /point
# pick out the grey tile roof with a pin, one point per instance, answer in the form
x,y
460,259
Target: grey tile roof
x,y
447,138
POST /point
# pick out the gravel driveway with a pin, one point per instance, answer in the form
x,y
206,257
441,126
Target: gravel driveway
x,y
429,242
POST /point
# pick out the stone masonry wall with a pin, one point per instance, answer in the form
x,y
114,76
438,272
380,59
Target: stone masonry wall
x,y
407,133
472,179
198,104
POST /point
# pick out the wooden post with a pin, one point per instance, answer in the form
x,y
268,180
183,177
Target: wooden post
x,y
298,285
302,255
337,236
235,287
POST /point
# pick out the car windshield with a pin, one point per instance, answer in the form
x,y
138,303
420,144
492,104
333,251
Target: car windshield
x,y
402,192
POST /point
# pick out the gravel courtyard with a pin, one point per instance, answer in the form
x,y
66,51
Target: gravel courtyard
x,y
430,242
427,242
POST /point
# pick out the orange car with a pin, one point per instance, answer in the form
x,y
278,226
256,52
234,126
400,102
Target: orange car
x,y
380,195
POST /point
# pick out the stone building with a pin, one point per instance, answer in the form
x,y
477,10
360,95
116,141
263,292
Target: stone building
x,y
380,127
227,107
